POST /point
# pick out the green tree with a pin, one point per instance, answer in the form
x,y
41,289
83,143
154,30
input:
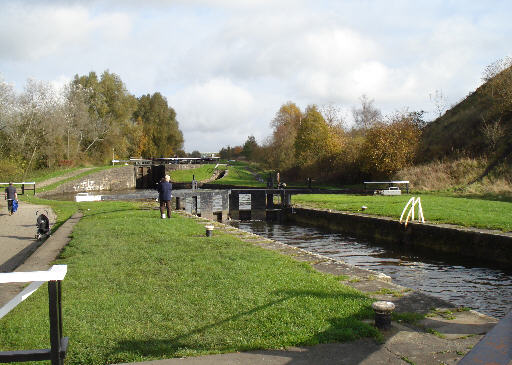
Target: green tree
x,y
111,108
249,148
161,128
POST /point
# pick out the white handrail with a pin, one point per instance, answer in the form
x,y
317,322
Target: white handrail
x,y
414,201
38,278
56,272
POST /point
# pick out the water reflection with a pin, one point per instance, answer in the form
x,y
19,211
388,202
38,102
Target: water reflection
x,y
462,283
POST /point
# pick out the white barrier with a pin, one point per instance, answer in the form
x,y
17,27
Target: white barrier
x,y
38,278
413,202
58,344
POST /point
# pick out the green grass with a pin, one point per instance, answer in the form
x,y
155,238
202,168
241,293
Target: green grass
x,y
468,212
201,173
239,175
42,175
140,288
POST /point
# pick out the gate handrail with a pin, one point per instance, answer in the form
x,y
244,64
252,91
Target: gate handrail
x,y
58,344
38,278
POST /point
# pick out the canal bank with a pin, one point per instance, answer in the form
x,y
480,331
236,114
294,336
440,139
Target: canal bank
x,y
425,329
493,247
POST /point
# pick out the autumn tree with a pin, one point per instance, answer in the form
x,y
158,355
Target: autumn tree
x,y
160,126
281,147
389,147
315,144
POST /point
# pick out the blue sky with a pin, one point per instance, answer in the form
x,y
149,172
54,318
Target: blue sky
x,y
227,66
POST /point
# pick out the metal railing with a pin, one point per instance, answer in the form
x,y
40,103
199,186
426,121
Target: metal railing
x,y
58,344
23,187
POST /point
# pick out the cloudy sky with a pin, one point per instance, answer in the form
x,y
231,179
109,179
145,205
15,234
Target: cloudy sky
x,y
226,66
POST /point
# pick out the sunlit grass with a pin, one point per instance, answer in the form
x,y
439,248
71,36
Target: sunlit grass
x,y
239,175
200,173
468,212
140,288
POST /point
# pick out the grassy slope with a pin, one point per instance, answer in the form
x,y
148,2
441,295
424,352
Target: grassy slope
x,y
437,208
238,175
76,177
141,288
201,173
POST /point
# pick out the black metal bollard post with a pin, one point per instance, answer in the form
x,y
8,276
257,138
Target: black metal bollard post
x,y
383,312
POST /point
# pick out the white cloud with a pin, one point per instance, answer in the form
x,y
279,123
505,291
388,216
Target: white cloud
x,y
34,31
226,66
216,110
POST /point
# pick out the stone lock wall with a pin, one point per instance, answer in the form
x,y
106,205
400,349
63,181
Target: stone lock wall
x,y
430,239
117,178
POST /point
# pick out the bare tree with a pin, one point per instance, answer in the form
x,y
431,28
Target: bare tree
x,y
495,68
7,103
333,115
76,117
492,132
440,102
367,115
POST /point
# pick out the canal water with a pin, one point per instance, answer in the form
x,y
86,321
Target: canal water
x,y
464,283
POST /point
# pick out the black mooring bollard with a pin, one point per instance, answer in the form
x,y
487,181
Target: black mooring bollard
x,y
383,312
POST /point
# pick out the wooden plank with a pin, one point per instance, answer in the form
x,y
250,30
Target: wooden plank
x,y
25,355
24,294
56,272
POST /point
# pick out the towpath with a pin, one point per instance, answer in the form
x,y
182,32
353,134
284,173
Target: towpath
x,y
17,232
62,177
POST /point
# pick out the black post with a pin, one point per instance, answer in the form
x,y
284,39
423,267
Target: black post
x,y
54,291
22,189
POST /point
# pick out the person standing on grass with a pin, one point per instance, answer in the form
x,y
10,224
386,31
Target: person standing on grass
x,y
10,195
164,196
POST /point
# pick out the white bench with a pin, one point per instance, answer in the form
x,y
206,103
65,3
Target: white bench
x,y
388,183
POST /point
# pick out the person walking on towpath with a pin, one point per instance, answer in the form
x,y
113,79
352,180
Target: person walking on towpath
x,y
10,195
164,196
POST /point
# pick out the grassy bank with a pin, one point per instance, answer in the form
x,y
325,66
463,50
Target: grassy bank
x,y
239,174
200,173
468,212
141,288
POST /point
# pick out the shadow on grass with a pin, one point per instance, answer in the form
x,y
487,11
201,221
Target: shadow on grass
x,y
336,332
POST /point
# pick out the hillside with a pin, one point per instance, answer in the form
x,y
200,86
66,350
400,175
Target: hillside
x,y
461,130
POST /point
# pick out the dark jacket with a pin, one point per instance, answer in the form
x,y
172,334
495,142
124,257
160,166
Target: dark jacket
x,y
11,192
164,190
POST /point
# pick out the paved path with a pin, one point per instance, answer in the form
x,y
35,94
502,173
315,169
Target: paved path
x,y
17,233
